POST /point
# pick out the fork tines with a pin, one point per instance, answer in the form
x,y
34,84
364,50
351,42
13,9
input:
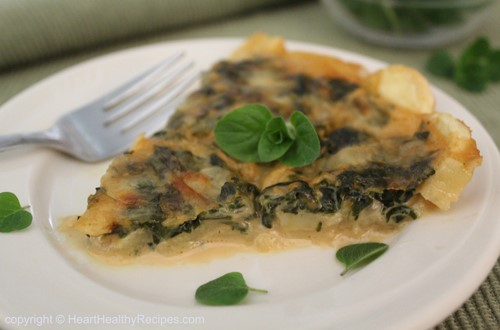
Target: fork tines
x,y
155,90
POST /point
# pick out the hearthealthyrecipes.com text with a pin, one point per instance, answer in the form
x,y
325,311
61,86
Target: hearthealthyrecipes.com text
x,y
101,319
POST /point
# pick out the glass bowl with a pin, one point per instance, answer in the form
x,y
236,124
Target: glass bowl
x,y
409,23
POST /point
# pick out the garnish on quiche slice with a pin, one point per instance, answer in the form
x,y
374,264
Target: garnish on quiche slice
x,y
386,158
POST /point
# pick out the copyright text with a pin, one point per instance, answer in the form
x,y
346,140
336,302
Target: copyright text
x,y
138,320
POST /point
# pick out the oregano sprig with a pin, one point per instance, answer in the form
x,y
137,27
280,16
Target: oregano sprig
x,y
251,133
476,66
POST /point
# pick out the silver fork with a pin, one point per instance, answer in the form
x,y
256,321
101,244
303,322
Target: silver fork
x,y
108,125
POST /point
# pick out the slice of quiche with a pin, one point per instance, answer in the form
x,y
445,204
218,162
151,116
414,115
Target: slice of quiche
x,y
386,158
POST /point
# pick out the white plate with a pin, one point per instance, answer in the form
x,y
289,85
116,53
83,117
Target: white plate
x,y
430,270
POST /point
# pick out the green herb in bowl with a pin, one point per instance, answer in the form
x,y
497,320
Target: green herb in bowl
x,y
409,23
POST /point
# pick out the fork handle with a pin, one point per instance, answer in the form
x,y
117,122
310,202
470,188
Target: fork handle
x,y
34,138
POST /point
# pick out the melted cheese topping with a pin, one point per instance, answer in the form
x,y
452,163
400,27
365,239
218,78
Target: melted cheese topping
x,y
178,196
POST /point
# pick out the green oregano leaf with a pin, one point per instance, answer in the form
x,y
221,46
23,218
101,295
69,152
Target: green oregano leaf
x,y
275,141
251,134
12,216
478,50
473,64
494,65
472,76
229,289
238,132
442,64
357,255
306,147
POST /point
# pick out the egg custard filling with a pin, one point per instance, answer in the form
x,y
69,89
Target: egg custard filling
x,y
386,158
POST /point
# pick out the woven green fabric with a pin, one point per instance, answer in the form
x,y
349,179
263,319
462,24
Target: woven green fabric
x,y
482,310
303,21
33,30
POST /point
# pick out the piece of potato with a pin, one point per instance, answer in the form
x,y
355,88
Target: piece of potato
x,y
457,155
402,86
455,162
